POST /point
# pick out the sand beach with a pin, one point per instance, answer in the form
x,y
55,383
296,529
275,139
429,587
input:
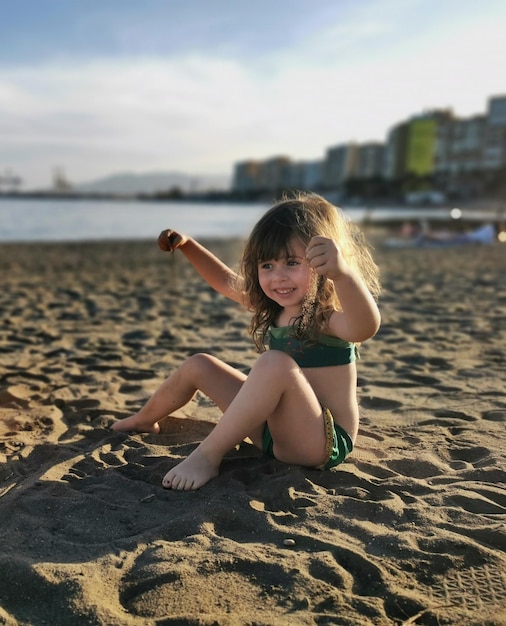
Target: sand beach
x,y
410,530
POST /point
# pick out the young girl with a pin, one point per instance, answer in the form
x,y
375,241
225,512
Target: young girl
x,y
311,284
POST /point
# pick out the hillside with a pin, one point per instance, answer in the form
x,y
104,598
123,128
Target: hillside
x,y
152,182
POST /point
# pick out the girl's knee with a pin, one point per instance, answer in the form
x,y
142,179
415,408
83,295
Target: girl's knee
x,y
199,363
195,370
276,360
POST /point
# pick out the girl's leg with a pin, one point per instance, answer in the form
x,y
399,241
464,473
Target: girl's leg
x,y
203,372
276,391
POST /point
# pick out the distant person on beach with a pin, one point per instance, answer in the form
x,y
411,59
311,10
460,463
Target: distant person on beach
x,y
485,234
309,279
421,235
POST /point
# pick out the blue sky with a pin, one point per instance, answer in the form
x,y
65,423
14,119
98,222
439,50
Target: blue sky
x,y
104,86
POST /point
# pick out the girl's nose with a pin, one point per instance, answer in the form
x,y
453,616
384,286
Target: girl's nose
x,y
280,273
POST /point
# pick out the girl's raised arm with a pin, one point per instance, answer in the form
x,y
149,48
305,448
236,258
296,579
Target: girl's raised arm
x,y
216,274
359,318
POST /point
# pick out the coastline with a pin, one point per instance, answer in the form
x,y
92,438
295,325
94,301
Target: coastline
x,y
53,220
411,529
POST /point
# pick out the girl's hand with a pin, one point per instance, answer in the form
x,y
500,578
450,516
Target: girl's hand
x,y
359,317
169,240
324,256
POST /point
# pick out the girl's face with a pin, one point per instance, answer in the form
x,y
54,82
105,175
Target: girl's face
x,y
287,279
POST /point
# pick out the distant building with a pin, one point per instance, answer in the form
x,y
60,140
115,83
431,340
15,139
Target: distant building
x,y
412,145
494,151
421,147
341,164
497,111
471,153
306,175
462,155
270,176
395,152
460,146
60,182
246,177
371,158
10,182
275,174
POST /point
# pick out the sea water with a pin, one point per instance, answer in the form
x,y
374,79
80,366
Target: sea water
x,y
84,220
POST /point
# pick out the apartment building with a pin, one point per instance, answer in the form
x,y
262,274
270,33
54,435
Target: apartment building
x,y
494,150
435,144
371,160
395,152
341,164
275,174
460,146
306,175
411,147
246,176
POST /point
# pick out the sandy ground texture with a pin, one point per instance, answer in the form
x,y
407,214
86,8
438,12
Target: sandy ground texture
x,y
410,530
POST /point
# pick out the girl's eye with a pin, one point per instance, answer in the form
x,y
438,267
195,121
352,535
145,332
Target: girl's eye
x,y
292,262
265,266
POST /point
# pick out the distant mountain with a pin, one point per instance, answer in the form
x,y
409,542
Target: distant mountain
x,y
152,182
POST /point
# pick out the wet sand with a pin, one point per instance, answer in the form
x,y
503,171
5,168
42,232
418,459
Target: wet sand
x,y
410,530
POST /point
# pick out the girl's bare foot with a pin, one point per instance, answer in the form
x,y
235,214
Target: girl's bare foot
x,y
135,423
192,473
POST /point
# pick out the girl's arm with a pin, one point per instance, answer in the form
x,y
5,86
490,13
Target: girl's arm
x,y
359,318
216,274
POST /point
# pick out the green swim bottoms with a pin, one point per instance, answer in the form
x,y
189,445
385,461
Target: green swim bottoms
x,y
338,443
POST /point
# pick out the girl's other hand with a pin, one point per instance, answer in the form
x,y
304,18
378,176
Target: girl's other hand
x,y
324,257
169,240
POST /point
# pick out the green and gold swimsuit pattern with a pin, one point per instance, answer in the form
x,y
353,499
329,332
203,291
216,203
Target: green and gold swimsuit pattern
x,y
326,351
323,352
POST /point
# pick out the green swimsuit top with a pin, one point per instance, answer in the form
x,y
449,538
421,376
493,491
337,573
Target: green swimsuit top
x,y
325,351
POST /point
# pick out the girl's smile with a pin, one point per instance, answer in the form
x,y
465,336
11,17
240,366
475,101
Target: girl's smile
x,y
286,279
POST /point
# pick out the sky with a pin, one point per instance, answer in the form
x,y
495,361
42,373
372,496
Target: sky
x,y
98,87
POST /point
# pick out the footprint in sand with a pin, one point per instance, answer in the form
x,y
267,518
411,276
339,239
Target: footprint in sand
x,y
475,590
381,404
164,576
495,415
136,374
270,578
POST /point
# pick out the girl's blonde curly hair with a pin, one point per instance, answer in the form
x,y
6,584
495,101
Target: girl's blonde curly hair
x,y
302,216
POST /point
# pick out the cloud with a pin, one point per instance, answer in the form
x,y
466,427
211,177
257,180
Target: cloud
x,y
201,113
160,113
